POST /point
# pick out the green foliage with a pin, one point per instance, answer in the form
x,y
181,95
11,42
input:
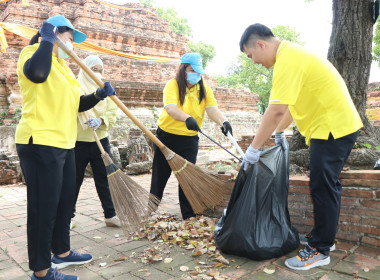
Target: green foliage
x,y
147,3
177,24
368,146
180,26
156,114
244,74
376,41
377,147
206,51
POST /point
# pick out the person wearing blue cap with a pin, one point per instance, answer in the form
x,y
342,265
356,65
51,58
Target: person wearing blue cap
x,y
186,99
45,140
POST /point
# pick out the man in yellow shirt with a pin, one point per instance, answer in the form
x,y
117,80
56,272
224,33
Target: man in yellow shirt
x,y
309,90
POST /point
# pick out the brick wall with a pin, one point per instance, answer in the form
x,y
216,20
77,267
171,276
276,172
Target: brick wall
x,y
139,83
373,103
359,220
360,207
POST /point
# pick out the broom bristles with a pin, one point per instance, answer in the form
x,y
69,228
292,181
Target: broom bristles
x,y
132,202
202,189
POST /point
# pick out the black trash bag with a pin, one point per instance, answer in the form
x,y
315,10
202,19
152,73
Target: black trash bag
x,y
256,223
377,165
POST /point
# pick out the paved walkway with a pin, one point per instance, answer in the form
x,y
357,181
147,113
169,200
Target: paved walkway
x,y
114,255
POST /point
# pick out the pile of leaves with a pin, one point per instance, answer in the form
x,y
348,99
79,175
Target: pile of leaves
x,y
195,234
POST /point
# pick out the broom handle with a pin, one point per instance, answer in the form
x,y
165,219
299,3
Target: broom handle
x,y
219,145
232,139
114,98
95,136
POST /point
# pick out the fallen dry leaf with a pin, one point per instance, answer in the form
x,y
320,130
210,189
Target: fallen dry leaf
x,y
222,260
123,258
184,268
168,260
218,265
269,270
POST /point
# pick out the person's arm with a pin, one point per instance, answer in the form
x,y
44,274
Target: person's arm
x,y
37,68
109,116
216,115
285,122
271,119
176,113
86,102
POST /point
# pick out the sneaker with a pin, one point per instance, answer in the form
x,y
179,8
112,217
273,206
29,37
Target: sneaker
x,y
54,274
304,240
74,258
112,222
307,258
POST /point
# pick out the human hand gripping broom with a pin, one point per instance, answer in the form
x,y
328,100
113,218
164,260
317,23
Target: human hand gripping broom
x,y
132,202
201,188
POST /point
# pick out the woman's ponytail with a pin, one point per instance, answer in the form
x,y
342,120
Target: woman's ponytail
x,y
34,39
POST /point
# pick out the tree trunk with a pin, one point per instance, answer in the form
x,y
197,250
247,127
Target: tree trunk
x,y
350,52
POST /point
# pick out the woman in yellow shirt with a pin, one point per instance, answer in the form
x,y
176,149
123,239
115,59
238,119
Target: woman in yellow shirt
x,y
101,118
45,140
186,98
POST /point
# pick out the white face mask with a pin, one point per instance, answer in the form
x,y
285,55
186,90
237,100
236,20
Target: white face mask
x,y
62,54
99,75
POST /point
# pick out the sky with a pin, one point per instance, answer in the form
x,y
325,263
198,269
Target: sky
x,y
222,22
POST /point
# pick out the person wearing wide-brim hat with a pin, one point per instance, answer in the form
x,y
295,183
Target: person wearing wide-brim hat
x,y
186,99
45,140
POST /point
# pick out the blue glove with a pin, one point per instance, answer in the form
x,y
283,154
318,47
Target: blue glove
x,y
94,123
251,156
102,93
48,32
280,139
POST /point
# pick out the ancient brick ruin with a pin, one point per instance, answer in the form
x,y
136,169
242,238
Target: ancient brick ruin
x,y
139,83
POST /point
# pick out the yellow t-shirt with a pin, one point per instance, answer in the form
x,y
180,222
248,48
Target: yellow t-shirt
x,y
315,92
106,110
190,106
49,109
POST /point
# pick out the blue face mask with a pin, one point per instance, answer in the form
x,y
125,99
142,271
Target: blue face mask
x,y
193,78
62,54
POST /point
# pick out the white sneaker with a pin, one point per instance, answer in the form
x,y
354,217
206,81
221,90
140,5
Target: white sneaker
x,y
112,222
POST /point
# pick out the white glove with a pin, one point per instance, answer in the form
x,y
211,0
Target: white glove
x,y
280,139
94,123
251,156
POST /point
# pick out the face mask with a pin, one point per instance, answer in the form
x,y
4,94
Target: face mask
x,y
62,54
193,78
99,75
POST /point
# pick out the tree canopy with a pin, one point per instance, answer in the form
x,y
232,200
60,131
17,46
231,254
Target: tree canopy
x,y
180,25
244,74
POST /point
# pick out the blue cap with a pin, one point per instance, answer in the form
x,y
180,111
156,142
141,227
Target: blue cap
x,y
195,60
60,20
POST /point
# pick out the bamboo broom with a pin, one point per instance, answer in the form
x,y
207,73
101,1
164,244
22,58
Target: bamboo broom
x,y
132,202
201,188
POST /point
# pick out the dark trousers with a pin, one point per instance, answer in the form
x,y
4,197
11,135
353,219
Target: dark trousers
x,y
186,147
50,178
327,158
88,152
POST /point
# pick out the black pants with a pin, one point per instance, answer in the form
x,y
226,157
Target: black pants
x,y
327,158
50,178
88,152
186,147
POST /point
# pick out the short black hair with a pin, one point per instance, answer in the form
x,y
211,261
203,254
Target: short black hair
x,y
258,29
